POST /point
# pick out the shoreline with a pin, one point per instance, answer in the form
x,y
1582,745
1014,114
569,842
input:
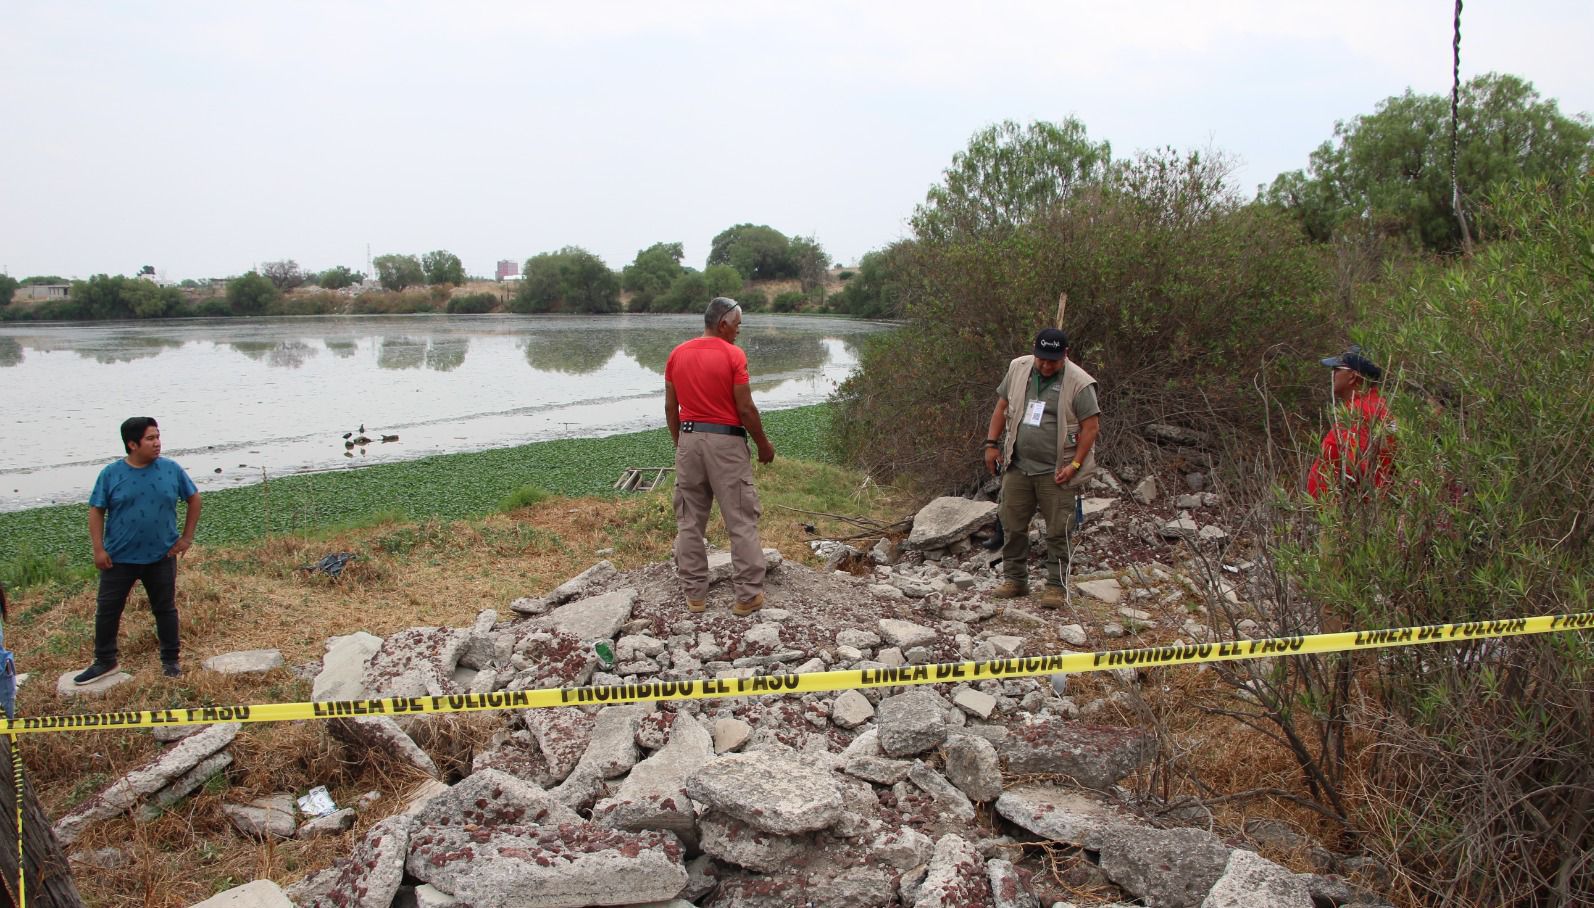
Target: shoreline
x,y
441,486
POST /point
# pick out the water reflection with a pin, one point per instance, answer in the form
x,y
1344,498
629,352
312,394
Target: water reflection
x,y
127,349
446,354
571,352
401,353
10,352
342,349
290,354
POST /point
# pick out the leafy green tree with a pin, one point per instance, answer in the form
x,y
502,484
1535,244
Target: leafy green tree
x,y
649,276
722,280
443,267
1009,174
758,252
250,294
688,291
396,272
102,296
1389,172
147,299
284,275
43,279
338,277
876,290
569,280
810,260
8,286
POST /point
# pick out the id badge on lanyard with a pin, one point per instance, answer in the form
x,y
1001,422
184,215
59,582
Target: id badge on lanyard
x,y
1035,412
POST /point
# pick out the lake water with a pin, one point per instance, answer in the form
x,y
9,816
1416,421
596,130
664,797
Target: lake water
x,y
235,397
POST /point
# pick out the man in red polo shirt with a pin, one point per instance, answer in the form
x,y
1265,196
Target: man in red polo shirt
x,y
710,411
1358,451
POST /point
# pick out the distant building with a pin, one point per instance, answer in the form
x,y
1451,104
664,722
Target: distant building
x,y
508,270
36,292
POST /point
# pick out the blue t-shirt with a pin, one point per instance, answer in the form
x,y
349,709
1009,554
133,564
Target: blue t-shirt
x,y
140,506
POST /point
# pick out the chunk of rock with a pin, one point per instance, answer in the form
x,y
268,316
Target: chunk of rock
x,y
729,839
1007,888
593,618
730,734
1145,490
948,799
851,709
905,634
334,823
611,752
383,735
778,793
910,723
562,733
1250,879
1181,527
254,894
264,818
66,687
976,703
1172,867
956,877
125,792
576,587
494,798
246,662
548,867
876,769
1095,756
654,795
371,875
1068,815
343,667
972,765
947,520
1107,589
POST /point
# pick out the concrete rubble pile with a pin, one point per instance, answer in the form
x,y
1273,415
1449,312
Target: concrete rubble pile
x,y
918,796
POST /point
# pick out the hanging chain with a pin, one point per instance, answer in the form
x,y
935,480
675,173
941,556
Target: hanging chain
x,y
1455,107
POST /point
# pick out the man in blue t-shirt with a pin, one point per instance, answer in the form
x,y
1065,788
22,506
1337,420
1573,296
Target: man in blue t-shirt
x,y
133,525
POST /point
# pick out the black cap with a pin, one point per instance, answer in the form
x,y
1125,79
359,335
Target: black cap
x,y
1051,343
1354,360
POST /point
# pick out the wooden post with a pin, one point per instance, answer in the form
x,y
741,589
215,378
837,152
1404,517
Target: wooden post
x,y
49,879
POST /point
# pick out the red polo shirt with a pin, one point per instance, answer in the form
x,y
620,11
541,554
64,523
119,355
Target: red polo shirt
x,y
703,371
1346,456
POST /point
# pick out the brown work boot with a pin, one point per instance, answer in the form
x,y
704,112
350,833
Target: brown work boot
x,y
1011,589
1054,597
743,609
696,605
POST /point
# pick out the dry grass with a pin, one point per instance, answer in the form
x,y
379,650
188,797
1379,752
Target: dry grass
x,y
430,573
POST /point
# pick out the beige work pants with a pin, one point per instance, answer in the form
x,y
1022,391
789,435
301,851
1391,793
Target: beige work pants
x,y
710,468
1022,496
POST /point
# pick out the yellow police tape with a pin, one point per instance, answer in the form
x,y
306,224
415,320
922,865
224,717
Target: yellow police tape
x,y
760,685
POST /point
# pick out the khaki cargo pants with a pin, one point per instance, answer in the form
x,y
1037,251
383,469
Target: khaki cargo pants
x,y
1022,496
710,468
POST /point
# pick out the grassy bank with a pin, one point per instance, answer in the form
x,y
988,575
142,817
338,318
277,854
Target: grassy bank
x,y
46,544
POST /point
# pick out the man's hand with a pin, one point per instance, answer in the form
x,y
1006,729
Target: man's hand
x,y
766,452
993,459
182,545
102,560
1065,474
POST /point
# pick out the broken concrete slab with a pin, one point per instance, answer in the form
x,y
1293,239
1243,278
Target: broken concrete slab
x,y
592,618
776,792
947,520
653,795
343,667
910,723
371,875
127,791
1095,756
245,662
270,817
254,894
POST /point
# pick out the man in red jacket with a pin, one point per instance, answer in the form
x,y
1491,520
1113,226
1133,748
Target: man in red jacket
x,y
709,408
1358,451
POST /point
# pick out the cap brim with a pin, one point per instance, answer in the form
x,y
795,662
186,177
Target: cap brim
x,y
1334,362
1054,357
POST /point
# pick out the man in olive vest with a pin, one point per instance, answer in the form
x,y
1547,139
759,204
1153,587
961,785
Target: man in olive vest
x,y
1042,438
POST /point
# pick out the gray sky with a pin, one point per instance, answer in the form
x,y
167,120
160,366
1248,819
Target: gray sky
x,y
203,138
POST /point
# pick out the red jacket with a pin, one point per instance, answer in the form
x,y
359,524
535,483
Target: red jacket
x,y
1361,441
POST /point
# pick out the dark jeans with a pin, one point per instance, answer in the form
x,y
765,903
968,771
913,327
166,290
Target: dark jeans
x,y
160,584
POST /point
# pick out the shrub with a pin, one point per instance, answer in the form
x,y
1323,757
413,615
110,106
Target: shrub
x,y
473,303
1485,763
390,302
250,294
523,497
322,302
846,275
1177,293
752,299
789,301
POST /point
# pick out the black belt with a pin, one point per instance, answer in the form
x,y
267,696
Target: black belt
x,y
712,428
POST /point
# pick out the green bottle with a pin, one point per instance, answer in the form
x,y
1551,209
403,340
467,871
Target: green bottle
x,y
605,653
